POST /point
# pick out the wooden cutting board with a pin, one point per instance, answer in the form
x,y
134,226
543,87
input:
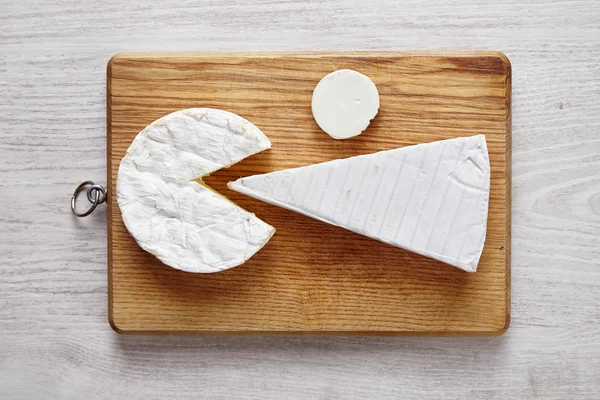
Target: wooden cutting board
x,y
313,278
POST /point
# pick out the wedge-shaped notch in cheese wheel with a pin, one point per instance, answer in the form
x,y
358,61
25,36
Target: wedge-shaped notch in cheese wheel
x,y
166,207
431,198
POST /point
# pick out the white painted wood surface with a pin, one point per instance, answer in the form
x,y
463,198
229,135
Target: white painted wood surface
x,y
55,341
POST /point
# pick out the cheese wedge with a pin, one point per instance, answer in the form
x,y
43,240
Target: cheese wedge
x,y
184,223
431,198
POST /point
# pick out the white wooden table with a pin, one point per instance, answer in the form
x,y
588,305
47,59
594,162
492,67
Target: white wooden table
x,y
55,341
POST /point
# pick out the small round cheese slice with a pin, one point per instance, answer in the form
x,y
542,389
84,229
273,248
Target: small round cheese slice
x,y
344,103
166,207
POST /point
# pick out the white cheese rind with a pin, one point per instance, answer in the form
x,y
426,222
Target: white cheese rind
x,y
431,198
344,102
187,225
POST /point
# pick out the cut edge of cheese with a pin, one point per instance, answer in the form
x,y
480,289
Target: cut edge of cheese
x,y
165,205
431,198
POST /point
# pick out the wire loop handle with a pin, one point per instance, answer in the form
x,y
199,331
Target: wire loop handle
x,y
96,195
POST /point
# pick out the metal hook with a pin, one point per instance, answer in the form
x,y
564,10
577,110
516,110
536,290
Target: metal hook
x,y
96,194
93,191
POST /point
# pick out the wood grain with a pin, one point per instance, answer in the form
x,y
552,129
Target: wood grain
x,y
55,342
312,277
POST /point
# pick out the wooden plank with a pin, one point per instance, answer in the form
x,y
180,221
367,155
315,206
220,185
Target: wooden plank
x,y
314,278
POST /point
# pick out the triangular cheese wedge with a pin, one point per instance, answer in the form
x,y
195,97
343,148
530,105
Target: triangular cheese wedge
x,y
166,207
431,198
